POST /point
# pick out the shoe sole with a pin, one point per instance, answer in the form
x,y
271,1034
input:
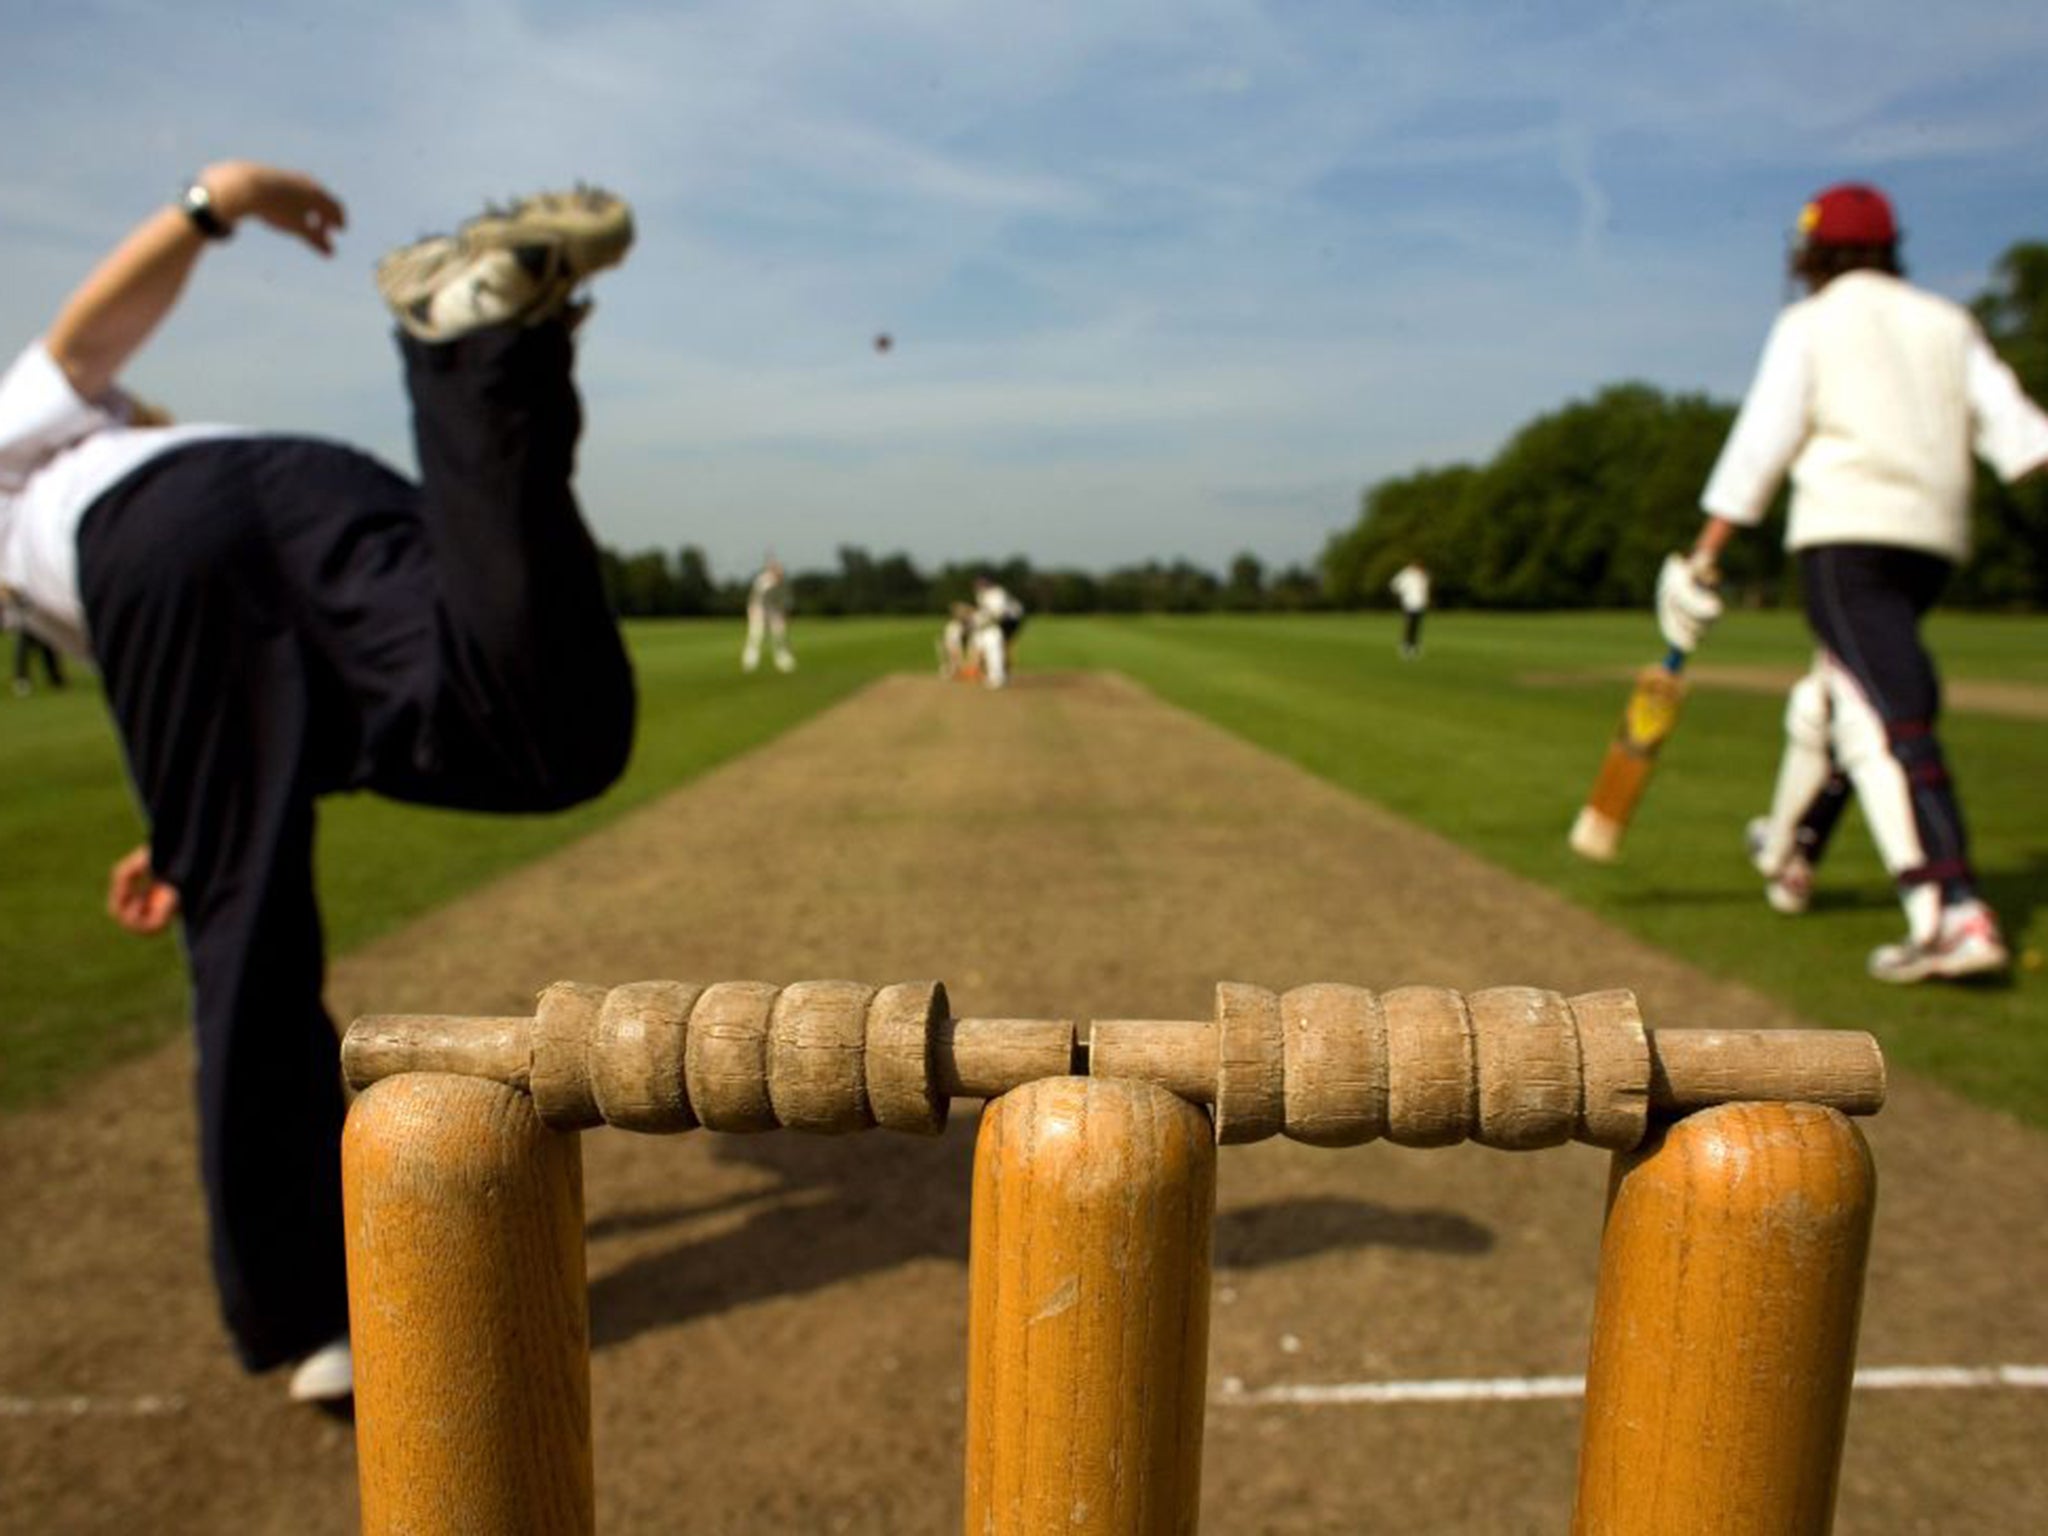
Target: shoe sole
x,y
413,272
1943,968
593,228
1982,965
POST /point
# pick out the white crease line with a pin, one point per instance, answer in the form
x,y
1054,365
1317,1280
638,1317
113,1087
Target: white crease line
x,y
90,1407
1936,1377
1510,1389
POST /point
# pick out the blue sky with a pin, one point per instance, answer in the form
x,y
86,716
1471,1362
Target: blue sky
x,y
1165,279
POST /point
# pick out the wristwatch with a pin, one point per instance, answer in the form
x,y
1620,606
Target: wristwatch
x,y
197,205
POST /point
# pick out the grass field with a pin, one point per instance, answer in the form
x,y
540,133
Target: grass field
x,y
1493,740
75,993
1490,740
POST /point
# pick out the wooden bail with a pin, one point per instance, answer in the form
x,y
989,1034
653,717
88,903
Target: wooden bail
x,y
467,1311
1088,1310
1724,1331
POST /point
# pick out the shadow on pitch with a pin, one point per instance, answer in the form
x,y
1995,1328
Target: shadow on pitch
x,y
1826,898
2014,893
834,1208
1281,1231
839,1208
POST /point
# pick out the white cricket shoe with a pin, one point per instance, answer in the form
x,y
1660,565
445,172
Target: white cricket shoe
x,y
438,290
1788,886
328,1375
1967,943
592,227
516,266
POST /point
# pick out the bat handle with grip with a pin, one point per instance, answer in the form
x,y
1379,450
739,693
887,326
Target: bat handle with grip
x,y
1674,661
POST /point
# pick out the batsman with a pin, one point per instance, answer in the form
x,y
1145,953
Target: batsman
x,y
1873,395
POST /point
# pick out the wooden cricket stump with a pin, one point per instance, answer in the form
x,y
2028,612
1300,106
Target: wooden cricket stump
x,y
1088,1309
1724,1331
467,1311
1731,1268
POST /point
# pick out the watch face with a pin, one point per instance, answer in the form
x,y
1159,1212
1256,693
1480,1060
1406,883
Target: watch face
x,y
198,206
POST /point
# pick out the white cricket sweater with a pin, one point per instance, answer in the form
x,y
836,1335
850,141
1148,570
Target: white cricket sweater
x,y
59,454
1411,587
1874,394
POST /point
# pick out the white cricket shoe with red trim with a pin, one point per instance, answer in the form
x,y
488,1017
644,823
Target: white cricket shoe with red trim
x,y
1966,944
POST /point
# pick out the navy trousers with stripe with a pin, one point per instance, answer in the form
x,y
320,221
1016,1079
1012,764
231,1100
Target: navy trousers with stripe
x,y
1865,603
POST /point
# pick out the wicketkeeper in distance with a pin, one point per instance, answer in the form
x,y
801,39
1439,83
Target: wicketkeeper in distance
x,y
1873,395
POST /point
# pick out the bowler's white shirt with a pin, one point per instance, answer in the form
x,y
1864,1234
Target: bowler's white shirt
x,y
59,453
1874,394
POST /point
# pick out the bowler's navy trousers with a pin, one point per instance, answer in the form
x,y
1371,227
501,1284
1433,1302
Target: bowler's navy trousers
x,y
278,618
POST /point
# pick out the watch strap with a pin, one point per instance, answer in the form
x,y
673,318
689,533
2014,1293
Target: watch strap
x,y
197,205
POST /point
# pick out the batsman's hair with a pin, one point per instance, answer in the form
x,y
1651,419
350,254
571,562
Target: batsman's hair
x,y
1818,265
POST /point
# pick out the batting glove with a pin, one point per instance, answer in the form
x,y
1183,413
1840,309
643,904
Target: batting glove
x,y
1688,601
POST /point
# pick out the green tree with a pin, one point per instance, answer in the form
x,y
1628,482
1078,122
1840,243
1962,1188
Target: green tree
x,y
1577,510
2009,524
645,587
694,591
1245,589
1421,516
2014,314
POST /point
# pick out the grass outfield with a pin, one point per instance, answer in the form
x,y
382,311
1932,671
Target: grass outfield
x,y
75,993
1492,740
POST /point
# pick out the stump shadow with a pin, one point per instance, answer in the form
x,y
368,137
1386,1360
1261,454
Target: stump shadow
x,y
1282,1231
834,1209
838,1208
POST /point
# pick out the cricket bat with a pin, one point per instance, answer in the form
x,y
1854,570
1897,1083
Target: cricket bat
x,y
1625,773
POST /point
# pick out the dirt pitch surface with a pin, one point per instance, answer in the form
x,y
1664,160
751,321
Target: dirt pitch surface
x,y
778,1320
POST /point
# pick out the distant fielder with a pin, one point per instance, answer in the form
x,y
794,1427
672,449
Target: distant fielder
x,y
768,619
1411,587
955,642
1872,394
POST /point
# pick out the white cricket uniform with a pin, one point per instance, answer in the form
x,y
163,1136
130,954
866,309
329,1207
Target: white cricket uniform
x,y
1873,394
1410,587
954,637
768,619
997,616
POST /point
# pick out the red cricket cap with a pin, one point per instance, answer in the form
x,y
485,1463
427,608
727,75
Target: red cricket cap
x,y
1848,214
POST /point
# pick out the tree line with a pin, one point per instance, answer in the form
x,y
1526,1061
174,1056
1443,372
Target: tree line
x,y
655,583
1575,511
